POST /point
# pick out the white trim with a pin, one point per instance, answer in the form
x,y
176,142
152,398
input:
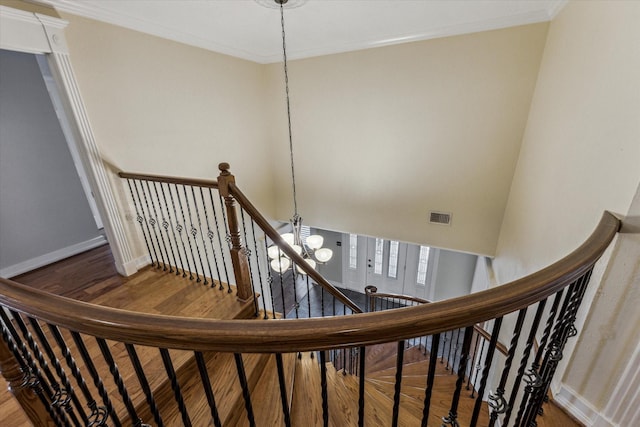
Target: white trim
x,y
24,32
569,400
51,257
141,262
621,408
92,11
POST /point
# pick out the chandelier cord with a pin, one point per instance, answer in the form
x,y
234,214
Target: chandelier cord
x,y
286,84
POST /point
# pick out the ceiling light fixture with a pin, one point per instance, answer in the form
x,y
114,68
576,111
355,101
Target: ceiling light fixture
x,y
311,249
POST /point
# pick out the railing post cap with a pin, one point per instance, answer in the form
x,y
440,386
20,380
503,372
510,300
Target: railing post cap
x,y
224,168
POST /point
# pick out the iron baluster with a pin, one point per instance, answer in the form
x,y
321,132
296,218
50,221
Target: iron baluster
x,y
308,295
67,388
183,227
245,389
270,283
211,235
477,368
180,229
497,403
323,386
255,246
398,384
487,365
117,379
99,414
173,230
165,226
206,384
154,222
140,219
204,245
248,253
148,221
361,384
175,386
433,361
474,366
194,232
97,381
283,390
452,418
144,384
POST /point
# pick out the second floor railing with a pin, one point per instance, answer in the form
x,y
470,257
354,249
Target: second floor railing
x,y
209,232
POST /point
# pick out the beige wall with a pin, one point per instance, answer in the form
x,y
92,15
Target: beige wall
x,y
162,107
383,136
581,155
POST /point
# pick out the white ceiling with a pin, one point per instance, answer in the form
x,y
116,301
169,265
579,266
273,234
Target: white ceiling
x,y
248,30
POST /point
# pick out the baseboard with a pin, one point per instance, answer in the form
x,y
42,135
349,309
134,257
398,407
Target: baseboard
x,y
51,257
578,407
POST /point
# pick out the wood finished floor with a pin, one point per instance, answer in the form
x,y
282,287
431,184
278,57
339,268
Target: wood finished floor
x,y
91,277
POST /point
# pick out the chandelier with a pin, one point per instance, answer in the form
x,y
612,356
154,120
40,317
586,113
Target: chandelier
x,y
311,248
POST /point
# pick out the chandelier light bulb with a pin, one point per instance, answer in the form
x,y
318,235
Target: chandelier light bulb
x,y
289,238
297,248
309,261
281,264
323,254
315,241
273,252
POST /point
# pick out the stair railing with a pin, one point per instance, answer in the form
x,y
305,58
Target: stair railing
x,y
63,358
210,232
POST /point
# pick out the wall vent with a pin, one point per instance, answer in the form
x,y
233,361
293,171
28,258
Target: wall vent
x,y
443,218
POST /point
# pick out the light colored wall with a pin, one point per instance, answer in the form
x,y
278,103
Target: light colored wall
x,y
580,155
43,208
382,136
158,106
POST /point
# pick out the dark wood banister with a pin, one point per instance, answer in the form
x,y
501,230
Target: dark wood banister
x,y
258,218
290,335
487,336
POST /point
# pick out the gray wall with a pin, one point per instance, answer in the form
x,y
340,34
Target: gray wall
x,y
454,275
42,205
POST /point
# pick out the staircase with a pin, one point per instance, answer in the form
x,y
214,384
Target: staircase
x,y
217,351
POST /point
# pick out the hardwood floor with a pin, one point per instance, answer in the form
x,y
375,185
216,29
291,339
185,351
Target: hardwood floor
x,y
91,277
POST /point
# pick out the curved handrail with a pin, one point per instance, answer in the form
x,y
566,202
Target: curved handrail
x,y
281,336
369,290
259,219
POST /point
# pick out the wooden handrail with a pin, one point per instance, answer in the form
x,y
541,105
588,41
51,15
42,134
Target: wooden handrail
x,y
291,335
170,179
376,294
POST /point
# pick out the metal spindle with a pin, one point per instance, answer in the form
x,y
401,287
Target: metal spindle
x,y
154,221
204,244
99,414
361,384
51,388
485,373
323,386
452,418
180,228
211,235
294,283
255,246
308,295
183,226
398,384
283,390
474,367
175,386
119,381
140,219
31,377
149,221
322,301
194,232
433,360
144,384
173,231
165,225
67,387
477,368
97,381
270,283
248,253
208,391
245,389
523,364
497,402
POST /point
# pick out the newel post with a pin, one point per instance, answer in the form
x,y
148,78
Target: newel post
x,y
369,290
32,406
239,257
